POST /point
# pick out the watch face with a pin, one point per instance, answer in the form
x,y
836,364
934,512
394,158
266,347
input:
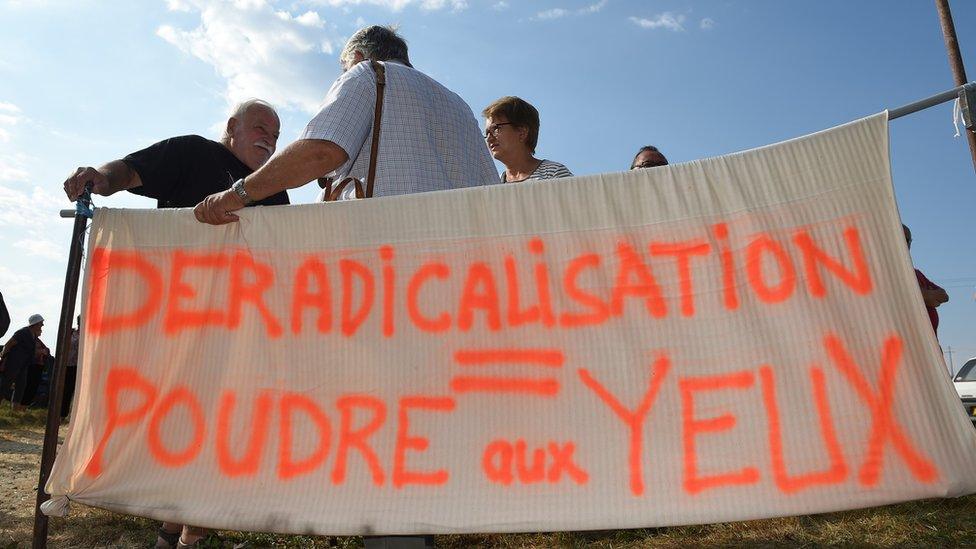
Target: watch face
x,y
238,187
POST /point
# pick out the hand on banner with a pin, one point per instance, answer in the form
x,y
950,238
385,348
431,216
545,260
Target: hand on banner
x,y
216,209
75,185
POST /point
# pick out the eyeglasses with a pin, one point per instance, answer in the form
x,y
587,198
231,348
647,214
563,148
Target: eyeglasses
x,y
649,164
493,129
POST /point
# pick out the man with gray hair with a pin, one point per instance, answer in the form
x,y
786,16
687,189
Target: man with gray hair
x,y
180,171
429,139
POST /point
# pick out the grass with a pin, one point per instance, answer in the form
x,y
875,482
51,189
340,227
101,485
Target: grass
x,y
940,523
30,418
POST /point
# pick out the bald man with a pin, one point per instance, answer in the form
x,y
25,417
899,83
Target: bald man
x,y
179,172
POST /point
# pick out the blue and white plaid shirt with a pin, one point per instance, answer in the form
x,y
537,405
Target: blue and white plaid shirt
x,y
429,138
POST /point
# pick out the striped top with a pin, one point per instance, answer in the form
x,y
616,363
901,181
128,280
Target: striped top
x,y
547,170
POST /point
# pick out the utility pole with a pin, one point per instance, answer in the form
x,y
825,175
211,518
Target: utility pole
x,y
955,60
949,352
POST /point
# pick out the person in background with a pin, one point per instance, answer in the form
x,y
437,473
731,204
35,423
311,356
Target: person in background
x,y
70,372
932,295
648,157
35,393
17,358
512,133
4,317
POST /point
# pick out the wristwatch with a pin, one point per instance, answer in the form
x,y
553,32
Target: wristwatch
x,y
238,187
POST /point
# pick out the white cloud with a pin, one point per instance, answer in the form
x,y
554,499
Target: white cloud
x,y
500,5
177,5
707,23
27,286
666,20
6,122
11,281
397,5
260,51
307,19
12,169
37,4
22,205
269,48
456,5
559,13
9,116
26,293
43,248
12,163
554,13
593,8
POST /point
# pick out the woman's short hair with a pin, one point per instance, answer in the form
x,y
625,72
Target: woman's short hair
x,y
651,148
519,113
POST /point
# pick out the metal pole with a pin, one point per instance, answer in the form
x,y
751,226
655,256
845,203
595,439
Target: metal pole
x,y
955,60
55,392
929,101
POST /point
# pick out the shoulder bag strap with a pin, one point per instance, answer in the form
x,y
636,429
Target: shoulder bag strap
x,y
333,193
380,71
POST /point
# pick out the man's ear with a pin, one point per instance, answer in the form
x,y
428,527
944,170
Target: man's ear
x,y
231,125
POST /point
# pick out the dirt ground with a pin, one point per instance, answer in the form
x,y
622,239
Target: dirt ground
x,y
20,453
21,441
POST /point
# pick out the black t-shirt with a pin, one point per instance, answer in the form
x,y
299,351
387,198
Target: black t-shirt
x,y
23,352
181,171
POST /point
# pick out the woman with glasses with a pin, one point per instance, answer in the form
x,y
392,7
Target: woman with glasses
x,y
512,131
648,157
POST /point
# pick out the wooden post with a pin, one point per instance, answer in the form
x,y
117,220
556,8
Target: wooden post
x,y
56,389
955,61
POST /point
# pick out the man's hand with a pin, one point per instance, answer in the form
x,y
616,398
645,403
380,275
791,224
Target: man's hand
x,y
75,185
216,209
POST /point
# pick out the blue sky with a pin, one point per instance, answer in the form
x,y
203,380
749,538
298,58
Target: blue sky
x,y
83,82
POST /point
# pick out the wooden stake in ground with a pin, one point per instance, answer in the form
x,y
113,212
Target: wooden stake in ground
x,y
56,390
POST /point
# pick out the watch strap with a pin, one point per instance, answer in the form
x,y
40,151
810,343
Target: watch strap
x,y
238,187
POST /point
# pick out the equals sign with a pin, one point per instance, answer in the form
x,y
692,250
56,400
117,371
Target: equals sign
x,y
542,358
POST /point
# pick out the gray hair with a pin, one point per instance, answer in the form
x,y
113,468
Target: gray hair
x,y
240,110
376,43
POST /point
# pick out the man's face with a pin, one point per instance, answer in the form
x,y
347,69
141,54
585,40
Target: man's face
x,y
36,328
649,159
254,136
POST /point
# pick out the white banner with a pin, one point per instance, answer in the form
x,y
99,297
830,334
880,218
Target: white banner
x,y
733,338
